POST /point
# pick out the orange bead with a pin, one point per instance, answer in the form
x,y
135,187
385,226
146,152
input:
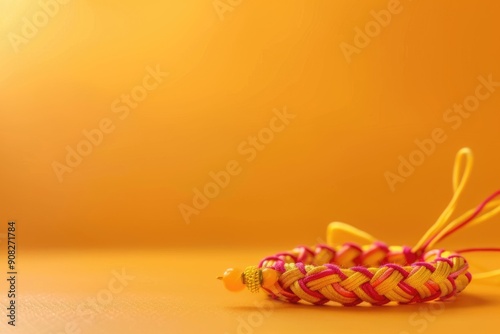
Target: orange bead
x,y
233,280
269,278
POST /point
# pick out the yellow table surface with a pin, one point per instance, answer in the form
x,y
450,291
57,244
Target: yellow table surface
x,y
175,291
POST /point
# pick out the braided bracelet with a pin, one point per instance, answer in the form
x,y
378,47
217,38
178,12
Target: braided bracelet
x,y
375,273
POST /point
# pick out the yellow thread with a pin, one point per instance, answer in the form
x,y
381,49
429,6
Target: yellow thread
x,y
441,273
389,283
418,276
333,229
458,187
295,287
363,295
330,293
488,274
398,296
354,280
375,258
322,282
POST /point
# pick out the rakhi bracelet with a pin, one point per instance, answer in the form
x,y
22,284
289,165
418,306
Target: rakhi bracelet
x,y
348,273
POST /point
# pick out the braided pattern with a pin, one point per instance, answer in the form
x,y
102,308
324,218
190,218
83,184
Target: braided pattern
x,y
377,274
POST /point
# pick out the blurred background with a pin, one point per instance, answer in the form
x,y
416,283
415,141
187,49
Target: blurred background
x,y
116,115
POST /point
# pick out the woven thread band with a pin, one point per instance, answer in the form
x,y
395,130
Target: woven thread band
x,y
376,274
348,273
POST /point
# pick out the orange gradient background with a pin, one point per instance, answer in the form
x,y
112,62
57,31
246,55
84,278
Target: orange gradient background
x,y
353,122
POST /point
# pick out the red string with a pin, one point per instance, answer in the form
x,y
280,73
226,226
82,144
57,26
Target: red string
x,y
486,249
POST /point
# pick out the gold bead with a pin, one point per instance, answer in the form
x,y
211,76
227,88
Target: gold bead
x,y
252,277
233,279
269,278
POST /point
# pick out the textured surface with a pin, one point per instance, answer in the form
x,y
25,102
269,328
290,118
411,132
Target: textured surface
x,y
176,291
